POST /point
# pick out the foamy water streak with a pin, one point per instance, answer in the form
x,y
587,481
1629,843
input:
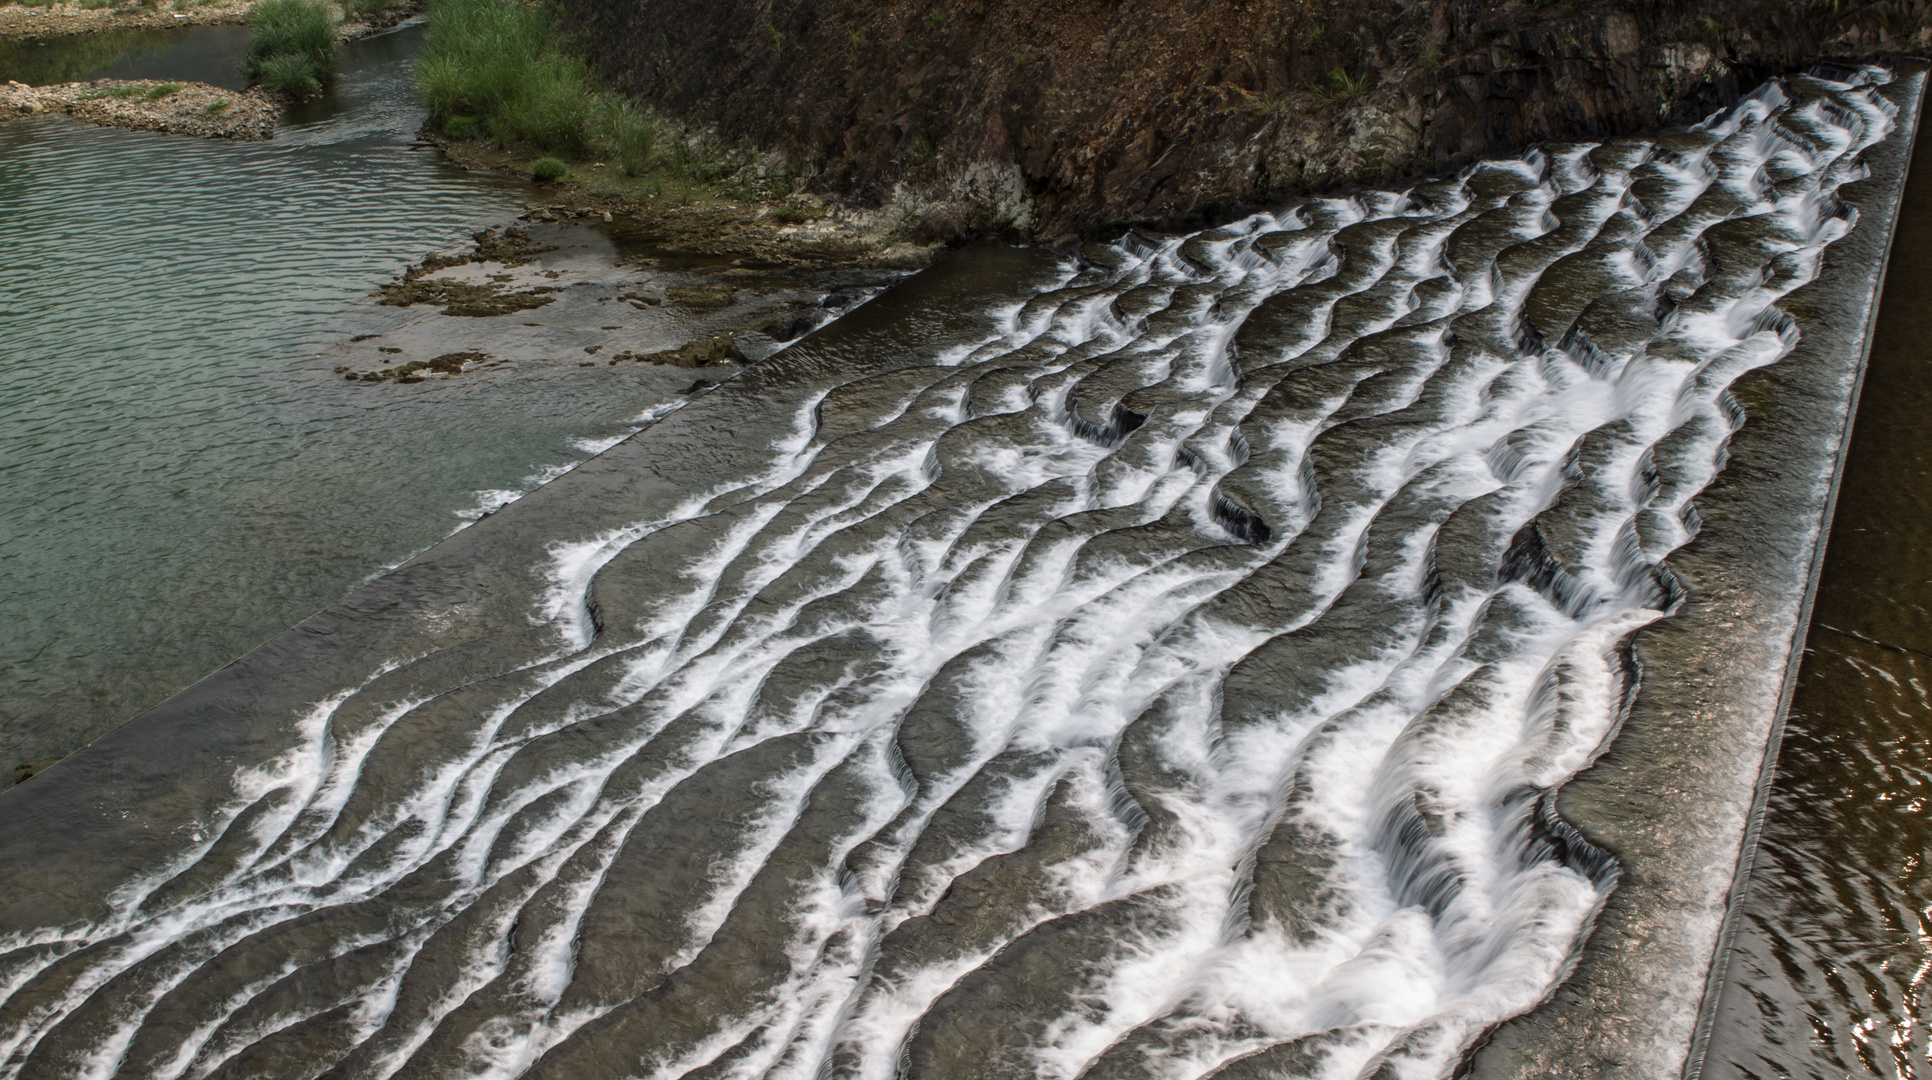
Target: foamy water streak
x,y
1173,683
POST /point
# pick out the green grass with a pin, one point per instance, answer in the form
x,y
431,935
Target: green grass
x,y
289,73
215,108
161,90
548,170
1341,86
291,46
496,69
112,92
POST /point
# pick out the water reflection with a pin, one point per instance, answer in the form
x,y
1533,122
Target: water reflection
x,y
210,54
177,489
1828,977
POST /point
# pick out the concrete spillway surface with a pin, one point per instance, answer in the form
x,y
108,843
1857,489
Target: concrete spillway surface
x,y
1165,659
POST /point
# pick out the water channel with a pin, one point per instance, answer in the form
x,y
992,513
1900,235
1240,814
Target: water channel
x,y
1132,614
181,482
1829,973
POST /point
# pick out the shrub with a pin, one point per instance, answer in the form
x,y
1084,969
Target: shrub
x,y
635,140
289,74
499,64
482,57
291,45
548,170
462,127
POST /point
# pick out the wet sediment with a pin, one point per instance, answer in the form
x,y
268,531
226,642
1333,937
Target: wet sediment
x,y
622,301
1167,658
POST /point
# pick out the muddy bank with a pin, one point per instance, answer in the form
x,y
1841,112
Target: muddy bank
x,y
1053,118
563,288
148,105
759,221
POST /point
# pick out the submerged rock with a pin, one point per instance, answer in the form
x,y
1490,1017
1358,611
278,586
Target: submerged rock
x,y
705,352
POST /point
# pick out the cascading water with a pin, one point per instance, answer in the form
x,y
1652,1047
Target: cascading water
x,y
1166,675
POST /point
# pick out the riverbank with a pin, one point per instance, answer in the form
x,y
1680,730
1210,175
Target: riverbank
x,y
60,20
507,93
151,105
26,21
694,227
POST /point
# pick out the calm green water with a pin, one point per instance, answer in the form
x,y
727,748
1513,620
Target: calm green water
x,y
210,54
182,480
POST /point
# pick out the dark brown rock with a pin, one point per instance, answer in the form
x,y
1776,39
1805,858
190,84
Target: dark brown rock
x,y
1064,116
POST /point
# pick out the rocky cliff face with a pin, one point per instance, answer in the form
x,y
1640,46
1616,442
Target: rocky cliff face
x,y
1054,116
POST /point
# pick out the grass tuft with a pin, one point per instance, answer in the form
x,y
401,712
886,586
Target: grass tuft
x,y
1341,86
291,48
289,74
548,170
161,90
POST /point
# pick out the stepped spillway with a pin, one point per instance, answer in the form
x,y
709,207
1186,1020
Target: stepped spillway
x,y
1157,659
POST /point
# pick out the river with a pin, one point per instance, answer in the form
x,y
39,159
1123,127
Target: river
x,y
1075,664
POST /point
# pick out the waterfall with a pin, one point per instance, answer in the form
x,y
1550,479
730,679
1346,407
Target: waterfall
x,y
1172,679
